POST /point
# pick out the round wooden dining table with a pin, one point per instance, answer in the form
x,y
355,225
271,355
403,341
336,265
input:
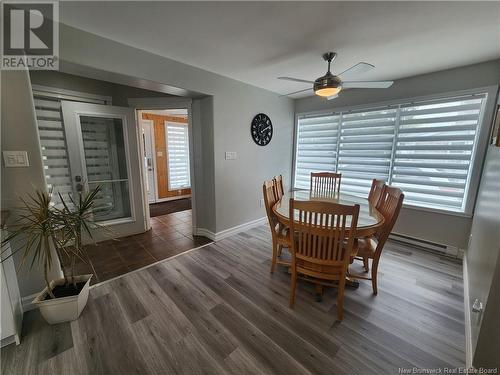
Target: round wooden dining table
x,y
369,219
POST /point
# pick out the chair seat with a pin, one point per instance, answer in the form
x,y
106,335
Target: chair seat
x,y
365,247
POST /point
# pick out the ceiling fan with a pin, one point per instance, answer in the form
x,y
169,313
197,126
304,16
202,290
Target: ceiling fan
x,y
330,85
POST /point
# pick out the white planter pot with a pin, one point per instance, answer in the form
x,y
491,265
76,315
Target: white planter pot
x,y
63,309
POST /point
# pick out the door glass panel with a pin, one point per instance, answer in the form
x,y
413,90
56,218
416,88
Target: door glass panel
x,y
106,165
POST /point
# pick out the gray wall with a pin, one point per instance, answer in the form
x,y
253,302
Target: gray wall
x,y
19,133
118,93
231,194
483,265
441,228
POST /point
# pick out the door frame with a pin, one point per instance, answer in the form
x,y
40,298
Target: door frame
x,y
153,158
136,194
145,104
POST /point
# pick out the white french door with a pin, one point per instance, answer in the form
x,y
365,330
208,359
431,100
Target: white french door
x,y
102,144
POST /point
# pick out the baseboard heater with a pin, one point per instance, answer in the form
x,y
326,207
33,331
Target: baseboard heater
x,y
447,250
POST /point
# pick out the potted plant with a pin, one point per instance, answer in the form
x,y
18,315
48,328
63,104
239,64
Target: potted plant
x,y
50,229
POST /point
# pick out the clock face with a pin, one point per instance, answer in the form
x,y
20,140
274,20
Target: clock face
x,y
261,129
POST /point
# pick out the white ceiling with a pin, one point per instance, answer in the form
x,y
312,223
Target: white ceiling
x,y
257,42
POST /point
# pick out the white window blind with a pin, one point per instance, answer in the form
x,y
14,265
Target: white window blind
x,y
365,148
53,139
316,147
53,144
425,148
178,156
434,151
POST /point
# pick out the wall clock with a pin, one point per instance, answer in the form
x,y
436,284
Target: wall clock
x,y
261,129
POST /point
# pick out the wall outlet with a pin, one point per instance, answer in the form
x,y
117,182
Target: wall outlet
x,y
16,159
261,202
231,155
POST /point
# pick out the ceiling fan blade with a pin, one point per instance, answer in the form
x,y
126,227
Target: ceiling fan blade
x,y
355,70
367,84
295,79
296,92
332,97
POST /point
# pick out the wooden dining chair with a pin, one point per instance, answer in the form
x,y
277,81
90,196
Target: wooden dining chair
x,y
325,183
279,233
278,183
323,240
376,191
389,206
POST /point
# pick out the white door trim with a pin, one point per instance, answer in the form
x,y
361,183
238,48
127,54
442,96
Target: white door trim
x,y
153,155
139,104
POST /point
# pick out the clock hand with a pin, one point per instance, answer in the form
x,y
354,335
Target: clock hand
x,y
262,131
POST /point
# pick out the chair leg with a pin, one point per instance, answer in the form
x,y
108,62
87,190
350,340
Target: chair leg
x,y
374,276
293,286
366,264
273,260
280,248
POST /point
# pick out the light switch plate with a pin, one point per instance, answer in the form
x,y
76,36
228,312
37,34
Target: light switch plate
x,y
231,155
15,159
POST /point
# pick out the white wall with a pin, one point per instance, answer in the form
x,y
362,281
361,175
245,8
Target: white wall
x,y
483,265
440,228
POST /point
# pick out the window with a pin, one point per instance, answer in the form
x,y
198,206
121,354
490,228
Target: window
x,y
426,148
178,156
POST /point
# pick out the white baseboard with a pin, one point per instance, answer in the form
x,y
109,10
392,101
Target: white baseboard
x,y
467,317
230,231
204,232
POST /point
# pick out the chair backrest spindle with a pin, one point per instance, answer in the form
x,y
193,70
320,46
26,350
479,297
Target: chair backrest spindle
x,y
324,232
325,183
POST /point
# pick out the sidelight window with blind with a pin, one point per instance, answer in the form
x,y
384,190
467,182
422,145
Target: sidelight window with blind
x,y
178,156
53,138
426,148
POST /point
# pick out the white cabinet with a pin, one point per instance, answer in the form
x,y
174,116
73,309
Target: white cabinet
x,y
11,313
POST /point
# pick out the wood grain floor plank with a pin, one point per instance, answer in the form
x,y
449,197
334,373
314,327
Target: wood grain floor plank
x,y
243,363
128,299
253,340
212,333
269,324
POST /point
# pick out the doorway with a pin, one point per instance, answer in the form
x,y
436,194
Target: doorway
x,y
84,142
165,135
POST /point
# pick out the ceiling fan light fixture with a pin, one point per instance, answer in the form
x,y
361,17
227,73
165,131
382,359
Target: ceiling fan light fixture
x,y
327,85
328,91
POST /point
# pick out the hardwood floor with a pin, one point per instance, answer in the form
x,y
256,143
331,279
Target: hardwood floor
x,y
218,310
